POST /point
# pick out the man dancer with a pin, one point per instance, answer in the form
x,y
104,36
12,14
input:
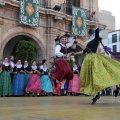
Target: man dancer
x,y
62,69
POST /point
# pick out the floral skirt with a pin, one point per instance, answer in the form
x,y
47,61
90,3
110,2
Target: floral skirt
x,y
98,72
5,83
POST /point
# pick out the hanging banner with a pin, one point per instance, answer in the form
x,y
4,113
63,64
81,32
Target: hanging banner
x,y
78,21
29,12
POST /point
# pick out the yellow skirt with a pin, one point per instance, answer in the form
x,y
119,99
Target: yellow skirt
x,y
98,72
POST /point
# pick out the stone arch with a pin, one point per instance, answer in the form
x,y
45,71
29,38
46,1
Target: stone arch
x,y
16,31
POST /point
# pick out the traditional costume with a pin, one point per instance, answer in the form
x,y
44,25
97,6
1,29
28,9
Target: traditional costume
x,y
18,80
46,84
74,84
98,71
26,69
34,84
12,65
62,70
5,80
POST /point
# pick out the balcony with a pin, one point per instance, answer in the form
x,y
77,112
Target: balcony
x,y
66,8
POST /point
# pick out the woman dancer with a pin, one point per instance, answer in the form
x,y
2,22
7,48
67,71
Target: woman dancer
x,y
26,69
5,79
74,84
46,85
18,80
34,85
98,71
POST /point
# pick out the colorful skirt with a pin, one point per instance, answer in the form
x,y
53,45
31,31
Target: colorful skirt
x,y
5,83
98,72
46,84
26,77
74,84
62,71
34,84
18,84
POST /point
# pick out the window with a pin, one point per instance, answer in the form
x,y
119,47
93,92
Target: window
x,y
114,48
114,38
69,4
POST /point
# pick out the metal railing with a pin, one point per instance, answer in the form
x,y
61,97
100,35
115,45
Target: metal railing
x,y
67,9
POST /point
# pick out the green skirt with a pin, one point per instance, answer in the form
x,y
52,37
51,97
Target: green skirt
x,y
98,72
5,83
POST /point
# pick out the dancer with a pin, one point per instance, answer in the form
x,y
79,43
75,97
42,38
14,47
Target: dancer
x,y
98,71
74,84
34,85
26,69
18,80
5,79
46,85
62,70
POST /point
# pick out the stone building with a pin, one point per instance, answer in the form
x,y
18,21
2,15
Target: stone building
x,y
49,28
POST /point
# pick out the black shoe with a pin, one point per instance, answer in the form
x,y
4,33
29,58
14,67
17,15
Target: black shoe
x,y
116,91
98,96
94,100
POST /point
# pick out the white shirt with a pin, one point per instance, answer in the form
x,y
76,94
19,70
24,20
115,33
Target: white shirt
x,y
34,67
75,68
92,37
12,65
58,47
6,63
19,66
43,68
25,66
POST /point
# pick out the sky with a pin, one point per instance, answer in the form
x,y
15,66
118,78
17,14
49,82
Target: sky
x,y
114,7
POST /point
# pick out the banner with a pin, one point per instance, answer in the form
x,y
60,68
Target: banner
x,y
78,21
29,12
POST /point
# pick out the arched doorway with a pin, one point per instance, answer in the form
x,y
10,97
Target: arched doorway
x,y
10,47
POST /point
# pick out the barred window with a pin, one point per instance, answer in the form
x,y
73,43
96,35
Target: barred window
x,y
69,4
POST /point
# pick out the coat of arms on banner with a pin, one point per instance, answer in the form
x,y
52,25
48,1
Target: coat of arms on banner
x,y
29,12
78,21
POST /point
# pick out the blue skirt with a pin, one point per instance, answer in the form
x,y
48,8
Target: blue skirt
x,y
46,84
18,84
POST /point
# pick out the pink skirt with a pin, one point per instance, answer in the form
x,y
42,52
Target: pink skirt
x,y
33,84
74,84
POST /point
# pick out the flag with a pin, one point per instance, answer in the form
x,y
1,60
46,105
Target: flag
x,y
78,21
29,12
